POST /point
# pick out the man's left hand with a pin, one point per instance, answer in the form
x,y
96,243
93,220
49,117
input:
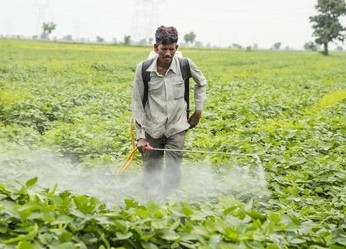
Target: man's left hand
x,y
194,119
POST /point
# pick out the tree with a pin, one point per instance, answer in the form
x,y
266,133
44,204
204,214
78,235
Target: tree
x,y
190,37
127,39
198,44
99,39
277,45
67,38
47,28
326,25
236,45
310,46
143,41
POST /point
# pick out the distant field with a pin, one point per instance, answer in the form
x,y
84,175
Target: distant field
x,y
74,100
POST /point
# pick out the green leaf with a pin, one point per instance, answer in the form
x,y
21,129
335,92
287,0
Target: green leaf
x,y
123,236
131,203
46,238
67,245
341,240
65,237
229,210
275,217
148,245
86,204
31,181
256,215
3,190
297,241
29,236
147,236
52,191
25,245
170,235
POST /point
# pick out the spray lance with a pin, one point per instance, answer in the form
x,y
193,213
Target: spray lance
x,y
150,148
254,156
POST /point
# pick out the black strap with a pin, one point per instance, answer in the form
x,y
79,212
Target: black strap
x,y
146,79
186,74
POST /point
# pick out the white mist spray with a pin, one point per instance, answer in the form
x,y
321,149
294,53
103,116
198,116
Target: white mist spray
x,y
200,180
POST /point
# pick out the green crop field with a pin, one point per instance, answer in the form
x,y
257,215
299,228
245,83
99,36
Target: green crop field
x,y
65,111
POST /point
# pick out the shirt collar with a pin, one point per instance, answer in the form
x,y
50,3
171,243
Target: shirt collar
x,y
173,66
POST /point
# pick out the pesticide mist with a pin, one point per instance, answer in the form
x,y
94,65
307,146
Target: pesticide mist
x,y
200,180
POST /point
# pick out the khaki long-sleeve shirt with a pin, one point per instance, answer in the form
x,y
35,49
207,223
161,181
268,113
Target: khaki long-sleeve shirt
x,y
165,111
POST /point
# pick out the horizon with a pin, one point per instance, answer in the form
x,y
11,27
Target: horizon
x,y
220,25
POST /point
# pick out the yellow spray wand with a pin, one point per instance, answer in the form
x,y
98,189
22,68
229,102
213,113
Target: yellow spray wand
x,y
132,152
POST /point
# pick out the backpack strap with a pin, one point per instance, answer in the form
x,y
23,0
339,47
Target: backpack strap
x,y
146,79
186,74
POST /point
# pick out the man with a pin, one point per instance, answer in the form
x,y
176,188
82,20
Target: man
x,y
161,122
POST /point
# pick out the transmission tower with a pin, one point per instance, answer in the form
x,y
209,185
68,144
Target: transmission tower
x,y
77,28
146,18
41,6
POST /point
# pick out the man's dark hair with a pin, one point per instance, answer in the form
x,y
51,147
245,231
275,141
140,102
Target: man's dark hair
x,y
166,35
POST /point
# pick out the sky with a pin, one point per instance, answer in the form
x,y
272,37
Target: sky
x,y
215,22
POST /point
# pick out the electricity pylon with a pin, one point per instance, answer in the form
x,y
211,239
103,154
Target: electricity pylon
x,y
41,6
146,18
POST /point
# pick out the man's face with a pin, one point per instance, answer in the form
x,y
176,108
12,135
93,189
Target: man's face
x,y
166,52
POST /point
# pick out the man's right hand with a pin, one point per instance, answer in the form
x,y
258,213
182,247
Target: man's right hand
x,y
143,145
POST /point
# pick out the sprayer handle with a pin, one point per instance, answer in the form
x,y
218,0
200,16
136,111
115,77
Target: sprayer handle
x,y
147,148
